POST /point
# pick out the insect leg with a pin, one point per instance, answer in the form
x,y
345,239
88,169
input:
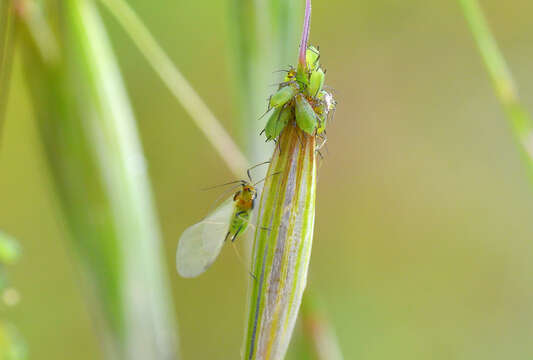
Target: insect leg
x,y
236,233
278,144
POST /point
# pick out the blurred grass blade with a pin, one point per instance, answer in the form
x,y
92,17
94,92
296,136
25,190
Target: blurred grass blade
x,y
179,86
502,80
90,137
264,34
282,246
113,133
7,35
318,331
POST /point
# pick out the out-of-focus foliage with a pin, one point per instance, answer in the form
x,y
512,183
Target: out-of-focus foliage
x,y
423,229
9,249
12,347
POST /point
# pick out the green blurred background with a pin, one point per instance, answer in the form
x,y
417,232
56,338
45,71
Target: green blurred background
x,y
423,233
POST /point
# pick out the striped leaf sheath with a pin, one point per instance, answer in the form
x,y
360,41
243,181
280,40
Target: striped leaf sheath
x,y
282,246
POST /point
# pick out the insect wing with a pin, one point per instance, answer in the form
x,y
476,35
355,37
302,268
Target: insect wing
x,y
200,244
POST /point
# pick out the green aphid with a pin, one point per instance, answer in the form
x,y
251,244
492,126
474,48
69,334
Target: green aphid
x,y
284,95
277,122
312,57
305,115
316,82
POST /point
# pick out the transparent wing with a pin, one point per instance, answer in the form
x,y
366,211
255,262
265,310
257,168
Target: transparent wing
x,y
200,244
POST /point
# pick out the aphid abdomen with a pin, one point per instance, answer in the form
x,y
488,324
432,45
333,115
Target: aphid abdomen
x,y
239,223
305,115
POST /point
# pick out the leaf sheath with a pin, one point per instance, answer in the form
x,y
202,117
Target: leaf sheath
x,y
282,246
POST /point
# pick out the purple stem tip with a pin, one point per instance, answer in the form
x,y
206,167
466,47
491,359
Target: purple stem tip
x,y
305,33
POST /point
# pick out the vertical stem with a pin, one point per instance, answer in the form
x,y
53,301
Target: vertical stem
x,y
305,34
502,80
282,246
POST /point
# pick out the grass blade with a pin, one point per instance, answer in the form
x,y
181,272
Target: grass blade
x,y
97,164
318,331
179,86
502,79
264,34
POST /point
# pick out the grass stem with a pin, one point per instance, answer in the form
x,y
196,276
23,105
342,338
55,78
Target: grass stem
x,y
200,113
502,79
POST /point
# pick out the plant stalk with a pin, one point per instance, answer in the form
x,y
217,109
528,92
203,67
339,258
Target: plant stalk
x,y
282,246
502,80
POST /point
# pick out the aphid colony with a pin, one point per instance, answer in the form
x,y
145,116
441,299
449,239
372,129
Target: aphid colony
x,y
301,100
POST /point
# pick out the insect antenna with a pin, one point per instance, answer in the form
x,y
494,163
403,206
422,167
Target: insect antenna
x,y
221,196
266,177
253,167
221,185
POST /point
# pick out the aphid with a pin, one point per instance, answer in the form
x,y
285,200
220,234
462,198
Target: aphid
x,y
283,95
316,81
277,122
306,117
200,244
312,57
